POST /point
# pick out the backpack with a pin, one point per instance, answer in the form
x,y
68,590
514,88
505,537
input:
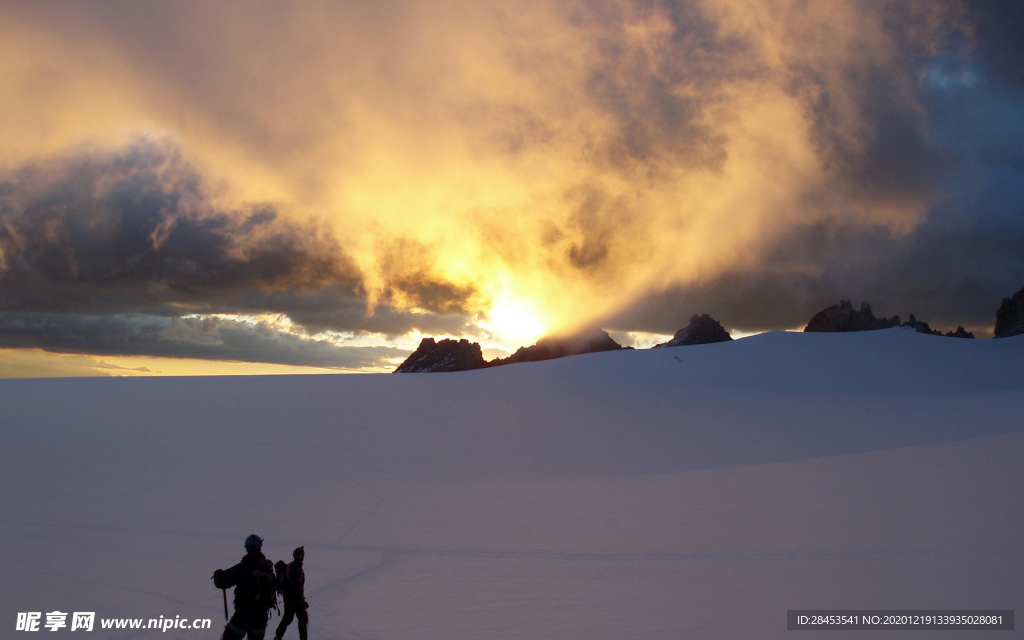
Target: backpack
x,y
263,582
281,576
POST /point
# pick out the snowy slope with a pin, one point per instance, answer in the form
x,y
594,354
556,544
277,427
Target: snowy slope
x,y
692,492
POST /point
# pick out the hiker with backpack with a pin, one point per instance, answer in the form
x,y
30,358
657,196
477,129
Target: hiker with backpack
x,y
291,582
253,580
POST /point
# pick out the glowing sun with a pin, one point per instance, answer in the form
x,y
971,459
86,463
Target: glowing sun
x,y
516,319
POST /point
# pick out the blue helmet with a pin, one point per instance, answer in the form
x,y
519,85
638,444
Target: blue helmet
x,y
253,543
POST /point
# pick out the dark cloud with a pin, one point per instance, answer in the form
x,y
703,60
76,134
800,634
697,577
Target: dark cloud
x,y
871,123
998,28
207,338
639,87
944,273
104,251
957,143
900,162
595,222
334,309
407,267
135,229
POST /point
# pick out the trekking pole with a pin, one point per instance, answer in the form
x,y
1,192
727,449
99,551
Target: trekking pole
x,y
225,592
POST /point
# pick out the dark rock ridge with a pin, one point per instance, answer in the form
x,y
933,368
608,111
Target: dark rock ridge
x,y
1010,316
590,341
842,318
702,329
960,333
446,355
919,326
449,355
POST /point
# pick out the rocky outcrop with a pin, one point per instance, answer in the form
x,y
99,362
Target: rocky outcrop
x,y
446,355
549,348
702,329
919,326
960,333
463,355
842,317
1010,316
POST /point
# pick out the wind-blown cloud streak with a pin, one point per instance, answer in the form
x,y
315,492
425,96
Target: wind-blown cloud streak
x,y
201,338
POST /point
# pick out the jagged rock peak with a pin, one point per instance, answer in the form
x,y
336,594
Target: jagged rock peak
x,y
549,348
842,317
703,329
921,327
446,355
1010,316
960,333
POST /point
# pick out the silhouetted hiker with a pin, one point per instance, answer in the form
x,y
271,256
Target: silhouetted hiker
x,y
293,581
253,580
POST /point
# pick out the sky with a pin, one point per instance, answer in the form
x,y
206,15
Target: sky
x,y
203,188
